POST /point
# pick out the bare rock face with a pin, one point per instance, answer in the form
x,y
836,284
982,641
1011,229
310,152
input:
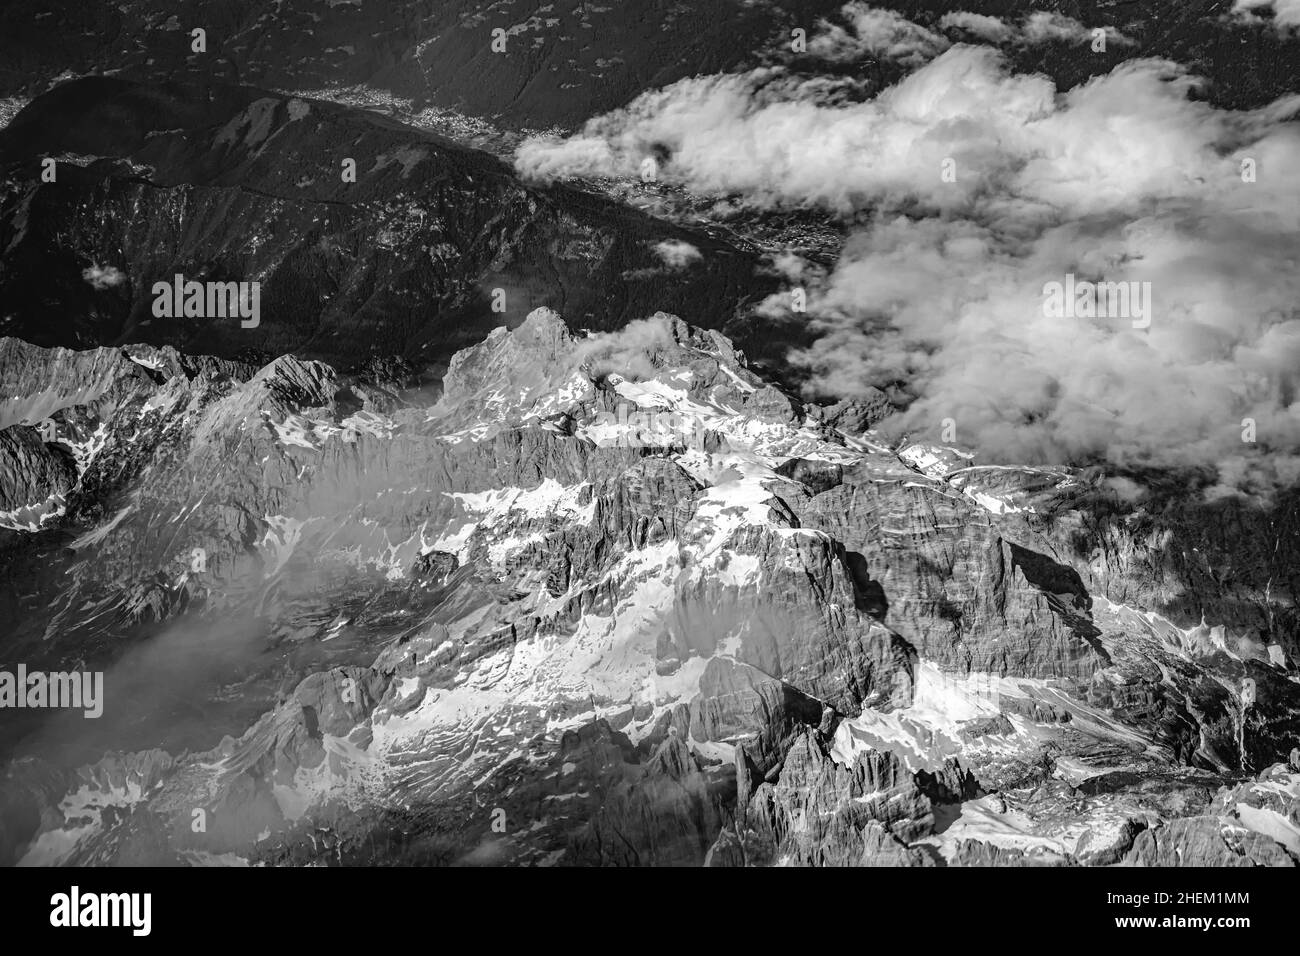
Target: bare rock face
x,y
1205,841
805,625
1107,846
1269,805
819,812
36,383
969,598
30,470
532,359
853,416
663,816
979,853
735,700
435,566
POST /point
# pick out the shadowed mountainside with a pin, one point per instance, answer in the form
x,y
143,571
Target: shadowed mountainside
x,y
224,183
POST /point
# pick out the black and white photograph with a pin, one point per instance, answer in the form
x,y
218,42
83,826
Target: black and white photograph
x,y
676,434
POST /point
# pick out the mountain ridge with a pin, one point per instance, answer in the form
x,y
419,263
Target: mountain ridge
x,y
642,643
431,247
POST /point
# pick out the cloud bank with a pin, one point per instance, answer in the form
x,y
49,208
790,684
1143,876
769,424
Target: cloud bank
x,y
976,187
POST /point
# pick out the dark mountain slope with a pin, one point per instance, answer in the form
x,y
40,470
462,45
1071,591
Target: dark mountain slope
x,y
228,183
566,60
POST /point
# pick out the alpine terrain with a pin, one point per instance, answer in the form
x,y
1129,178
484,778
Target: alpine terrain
x,y
625,595
574,434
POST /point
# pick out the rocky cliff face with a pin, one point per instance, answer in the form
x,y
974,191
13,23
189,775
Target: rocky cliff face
x,y
608,598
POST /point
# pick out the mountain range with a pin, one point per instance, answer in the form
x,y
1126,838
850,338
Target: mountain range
x,y
511,534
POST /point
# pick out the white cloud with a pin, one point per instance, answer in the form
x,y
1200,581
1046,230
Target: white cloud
x,y
676,254
881,33
627,351
1286,13
1044,27
939,296
103,277
763,135
886,34
977,24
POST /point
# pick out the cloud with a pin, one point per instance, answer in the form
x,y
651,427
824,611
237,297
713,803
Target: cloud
x,y
887,35
627,351
1047,27
881,33
938,295
103,277
773,139
949,313
691,118
977,24
676,254
1286,13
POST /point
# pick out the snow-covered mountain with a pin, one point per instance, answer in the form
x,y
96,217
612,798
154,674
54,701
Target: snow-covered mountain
x,y
608,598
